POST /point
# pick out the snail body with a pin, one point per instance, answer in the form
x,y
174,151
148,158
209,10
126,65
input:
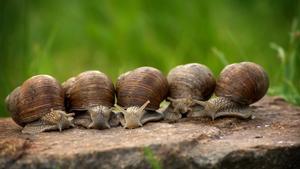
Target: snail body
x,y
187,84
91,95
38,105
238,86
139,94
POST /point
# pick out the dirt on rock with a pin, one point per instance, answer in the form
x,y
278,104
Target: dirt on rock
x,y
270,140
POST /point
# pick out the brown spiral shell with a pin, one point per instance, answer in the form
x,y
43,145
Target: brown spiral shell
x,y
135,87
34,98
191,80
244,83
90,88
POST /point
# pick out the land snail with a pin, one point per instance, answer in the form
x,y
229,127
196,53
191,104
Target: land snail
x,y
91,95
139,94
188,84
238,86
38,105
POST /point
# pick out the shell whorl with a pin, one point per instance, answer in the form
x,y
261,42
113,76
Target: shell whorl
x,y
244,83
191,81
135,87
90,88
35,98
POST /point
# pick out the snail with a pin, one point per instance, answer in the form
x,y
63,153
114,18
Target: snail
x,y
238,86
91,95
139,94
187,84
38,105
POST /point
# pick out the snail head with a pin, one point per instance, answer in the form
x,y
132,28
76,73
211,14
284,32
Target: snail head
x,y
60,118
132,116
100,116
182,105
209,109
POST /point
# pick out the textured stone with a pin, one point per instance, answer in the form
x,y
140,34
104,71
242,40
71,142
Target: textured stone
x,y
270,140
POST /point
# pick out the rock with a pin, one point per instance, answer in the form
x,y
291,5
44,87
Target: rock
x,y
270,140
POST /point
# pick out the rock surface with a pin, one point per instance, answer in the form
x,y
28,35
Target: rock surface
x,y
270,140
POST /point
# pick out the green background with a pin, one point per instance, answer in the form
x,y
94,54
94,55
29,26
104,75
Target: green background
x,y
65,37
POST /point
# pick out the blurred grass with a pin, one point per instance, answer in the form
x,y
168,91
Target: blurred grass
x,y
151,159
61,38
289,83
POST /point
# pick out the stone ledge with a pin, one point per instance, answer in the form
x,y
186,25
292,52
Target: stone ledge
x,y
270,140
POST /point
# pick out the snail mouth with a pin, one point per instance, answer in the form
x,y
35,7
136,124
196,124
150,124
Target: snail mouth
x,y
99,123
132,125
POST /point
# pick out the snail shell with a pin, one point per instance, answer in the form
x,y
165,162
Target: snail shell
x,y
35,99
94,92
244,83
141,88
238,86
134,88
191,80
88,89
188,83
